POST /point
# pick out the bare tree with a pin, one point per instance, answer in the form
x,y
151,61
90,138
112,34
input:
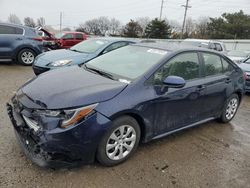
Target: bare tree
x,y
103,24
41,22
66,29
114,27
14,19
143,22
202,27
92,27
190,27
29,22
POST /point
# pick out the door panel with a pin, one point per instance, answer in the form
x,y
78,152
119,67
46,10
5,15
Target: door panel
x,y
176,108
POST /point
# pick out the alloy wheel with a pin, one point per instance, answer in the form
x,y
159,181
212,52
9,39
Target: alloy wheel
x,y
27,57
231,108
121,142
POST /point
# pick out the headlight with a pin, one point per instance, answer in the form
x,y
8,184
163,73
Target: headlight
x,y
69,117
74,116
60,63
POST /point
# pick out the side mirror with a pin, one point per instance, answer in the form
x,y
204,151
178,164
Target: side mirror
x,y
174,82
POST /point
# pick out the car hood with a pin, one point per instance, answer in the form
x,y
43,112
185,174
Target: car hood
x,y
63,54
245,67
68,88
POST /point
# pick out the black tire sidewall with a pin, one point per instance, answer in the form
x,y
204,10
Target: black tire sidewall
x,y
19,59
223,116
101,151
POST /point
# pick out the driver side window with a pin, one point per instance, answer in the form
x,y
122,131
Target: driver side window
x,y
185,65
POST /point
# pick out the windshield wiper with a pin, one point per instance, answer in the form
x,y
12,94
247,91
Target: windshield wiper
x,y
102,73
75,50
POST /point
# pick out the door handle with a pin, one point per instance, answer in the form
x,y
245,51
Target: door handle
x,y
200,87
228,80
19,39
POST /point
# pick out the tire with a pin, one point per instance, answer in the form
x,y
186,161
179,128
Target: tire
x,y
26,57
114,149
230,108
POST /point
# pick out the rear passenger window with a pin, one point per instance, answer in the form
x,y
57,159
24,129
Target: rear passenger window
x,y
79,36
185,65
227,67
68,36
4,29
213,65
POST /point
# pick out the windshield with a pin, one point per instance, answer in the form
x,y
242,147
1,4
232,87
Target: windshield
x,y
128,62
247,61
59,35
90,45
238,53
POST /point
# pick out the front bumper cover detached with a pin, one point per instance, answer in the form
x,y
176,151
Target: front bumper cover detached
x,y
59,148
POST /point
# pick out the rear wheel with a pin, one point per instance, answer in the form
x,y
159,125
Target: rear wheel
x,y
120,141
230,108
26,57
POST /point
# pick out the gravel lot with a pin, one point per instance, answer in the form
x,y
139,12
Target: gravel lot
x,y
211,155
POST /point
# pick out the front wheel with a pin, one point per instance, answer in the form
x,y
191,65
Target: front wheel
x,y
120,141
26,57
230,108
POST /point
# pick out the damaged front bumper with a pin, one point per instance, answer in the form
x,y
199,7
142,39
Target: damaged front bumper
x,y
59,147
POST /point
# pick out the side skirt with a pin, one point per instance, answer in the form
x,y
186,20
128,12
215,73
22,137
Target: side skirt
x,y
183,128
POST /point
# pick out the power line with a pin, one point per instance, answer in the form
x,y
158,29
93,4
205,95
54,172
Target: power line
x,y
185,15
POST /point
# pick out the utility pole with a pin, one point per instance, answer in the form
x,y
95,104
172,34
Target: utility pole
x,y
60,21
185,15
162,2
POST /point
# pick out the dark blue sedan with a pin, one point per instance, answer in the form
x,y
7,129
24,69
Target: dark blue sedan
x,y
78,54
137,93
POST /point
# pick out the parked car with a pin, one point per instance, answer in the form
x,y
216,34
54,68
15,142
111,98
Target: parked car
x,y
238,56
245,66
209,44
69,39
137,93
78,54
19,43
49,40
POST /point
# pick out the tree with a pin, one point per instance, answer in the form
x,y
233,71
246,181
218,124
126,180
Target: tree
x,y
158,29
41,22
66,29
132,29
114,27
202,27
92,27
81,28
229,26
143,22
189,28
14,19
29,22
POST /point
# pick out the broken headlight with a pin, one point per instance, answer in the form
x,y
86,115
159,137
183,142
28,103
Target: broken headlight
x,y
69,117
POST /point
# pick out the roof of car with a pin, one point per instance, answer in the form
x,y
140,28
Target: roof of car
x,y
16,25
202,40
170,46
112,39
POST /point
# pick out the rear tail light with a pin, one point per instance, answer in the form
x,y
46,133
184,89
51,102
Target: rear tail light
x,y
245,76
37,39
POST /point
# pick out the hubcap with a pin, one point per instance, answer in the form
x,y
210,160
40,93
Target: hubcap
x,y
231,108
121,142
27,57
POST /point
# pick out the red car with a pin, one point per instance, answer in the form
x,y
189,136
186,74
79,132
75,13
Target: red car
x,y
68,39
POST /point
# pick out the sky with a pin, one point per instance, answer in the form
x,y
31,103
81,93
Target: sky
x,y
78,11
